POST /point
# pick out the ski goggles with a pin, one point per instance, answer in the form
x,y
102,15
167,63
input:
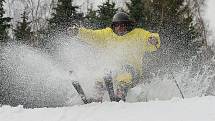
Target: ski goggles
x,y
121,24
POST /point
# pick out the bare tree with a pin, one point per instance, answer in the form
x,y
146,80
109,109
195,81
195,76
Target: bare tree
x,y
38,10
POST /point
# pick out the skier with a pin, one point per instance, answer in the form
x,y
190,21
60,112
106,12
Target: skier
x,y
135,42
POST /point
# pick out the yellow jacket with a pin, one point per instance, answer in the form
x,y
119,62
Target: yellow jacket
x,y
129,47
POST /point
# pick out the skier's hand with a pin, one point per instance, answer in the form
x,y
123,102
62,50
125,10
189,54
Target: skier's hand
x,y
152,40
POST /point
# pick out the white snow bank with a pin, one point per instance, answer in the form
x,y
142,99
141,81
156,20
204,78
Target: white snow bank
x,y
194,109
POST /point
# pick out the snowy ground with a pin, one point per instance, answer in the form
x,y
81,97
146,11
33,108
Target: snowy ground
x,y
193,109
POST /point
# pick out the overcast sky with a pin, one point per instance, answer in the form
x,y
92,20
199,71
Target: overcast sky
x,y
15,7
95,3
82,3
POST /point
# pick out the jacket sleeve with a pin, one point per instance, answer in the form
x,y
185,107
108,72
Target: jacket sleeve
x,y
147,46
90,36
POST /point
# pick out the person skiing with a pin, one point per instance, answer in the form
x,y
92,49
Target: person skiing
x,y
132,41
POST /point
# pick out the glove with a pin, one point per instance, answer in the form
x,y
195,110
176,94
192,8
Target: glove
x,y
152,40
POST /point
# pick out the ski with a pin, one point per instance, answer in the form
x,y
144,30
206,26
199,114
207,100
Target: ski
x,y
80,91
109,86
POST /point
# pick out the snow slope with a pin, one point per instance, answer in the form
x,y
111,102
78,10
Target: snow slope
x,y
193,109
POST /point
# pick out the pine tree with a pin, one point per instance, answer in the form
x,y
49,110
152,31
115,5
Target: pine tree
x,y
91,15
23,30
91,19
4,23
65,14
106,12
136,10
174,21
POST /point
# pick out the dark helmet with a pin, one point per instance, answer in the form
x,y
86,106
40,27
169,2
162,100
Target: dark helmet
x,y
124,18
121,17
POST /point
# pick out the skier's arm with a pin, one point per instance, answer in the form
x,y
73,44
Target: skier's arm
x,y
90,36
